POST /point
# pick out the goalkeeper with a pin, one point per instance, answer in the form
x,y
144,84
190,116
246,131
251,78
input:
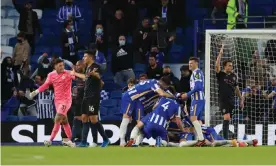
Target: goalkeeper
x,y
228,86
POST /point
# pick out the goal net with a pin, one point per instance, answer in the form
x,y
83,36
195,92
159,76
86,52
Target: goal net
x,y
253,53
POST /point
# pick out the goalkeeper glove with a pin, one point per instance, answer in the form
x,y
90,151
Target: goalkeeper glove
x,y
34,93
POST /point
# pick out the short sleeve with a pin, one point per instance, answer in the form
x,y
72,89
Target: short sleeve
x,y
154,85
235,79
218,75
197,76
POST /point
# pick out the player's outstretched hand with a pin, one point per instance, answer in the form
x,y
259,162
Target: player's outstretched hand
x,y
33,94
73,72
184,96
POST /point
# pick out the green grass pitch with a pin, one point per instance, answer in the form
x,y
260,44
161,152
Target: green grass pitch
x,y
31,155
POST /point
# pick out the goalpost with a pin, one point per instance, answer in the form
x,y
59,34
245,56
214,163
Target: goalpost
x,y
253,53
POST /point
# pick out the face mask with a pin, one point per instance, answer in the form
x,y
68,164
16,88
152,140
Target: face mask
x,y
99,30
122,42
19,41
45,65
72,27
166,74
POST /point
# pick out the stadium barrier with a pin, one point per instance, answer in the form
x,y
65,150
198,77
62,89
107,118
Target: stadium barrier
x,y
28,133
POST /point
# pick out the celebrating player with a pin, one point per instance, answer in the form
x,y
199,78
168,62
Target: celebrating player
x,y
91,101
62,81
155,124
197,96
135,93
228,86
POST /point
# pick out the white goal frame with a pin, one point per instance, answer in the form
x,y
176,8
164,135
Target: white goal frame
x,y
235,33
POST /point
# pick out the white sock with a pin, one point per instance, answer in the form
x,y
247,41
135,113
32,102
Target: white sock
x,y
172,144
134,133
164,143
139,139
123,130
187,143
221,143
198,130
249,142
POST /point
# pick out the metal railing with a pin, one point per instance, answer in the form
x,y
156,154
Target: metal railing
x,y
200,26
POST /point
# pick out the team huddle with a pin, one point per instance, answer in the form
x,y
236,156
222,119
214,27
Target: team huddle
x,y
159,112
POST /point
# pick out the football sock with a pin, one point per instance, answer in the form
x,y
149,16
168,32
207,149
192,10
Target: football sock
x,y
76,129
198,130
187,143
85,130
123,130
55,131
225,128
68,131
134,133
101,131
94,132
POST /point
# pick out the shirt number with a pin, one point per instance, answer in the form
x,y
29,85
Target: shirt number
x,y
165,106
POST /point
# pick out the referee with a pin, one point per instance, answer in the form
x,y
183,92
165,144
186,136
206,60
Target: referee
x,y
228,86
91,100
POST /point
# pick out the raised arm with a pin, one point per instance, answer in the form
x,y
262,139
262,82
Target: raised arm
x,y
162,93
271,95
238,93
218,59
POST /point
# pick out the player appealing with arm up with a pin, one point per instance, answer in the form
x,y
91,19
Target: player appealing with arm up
x,y
197,98
228,86
62,82
91,101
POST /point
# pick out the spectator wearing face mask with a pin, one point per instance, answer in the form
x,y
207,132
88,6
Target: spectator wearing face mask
x,y
100,59
45,68
9,78
69,43
122,61
21,54
159,55
174,80
154,71
28,23
142,41
69,12
100,39
118,27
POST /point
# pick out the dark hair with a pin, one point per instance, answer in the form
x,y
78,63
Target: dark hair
x,y
171,89
152,55
224,63
145,18
21,34
91,53
183,68
166,80
66,23
55,56
194,59
45,61
57,61
143,75
131,81
41,76
166,67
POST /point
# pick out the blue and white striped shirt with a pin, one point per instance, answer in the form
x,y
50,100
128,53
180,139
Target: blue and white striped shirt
x,y
66,11
197,86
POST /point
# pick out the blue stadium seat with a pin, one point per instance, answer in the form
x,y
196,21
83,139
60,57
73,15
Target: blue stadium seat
x,y
116,95
34,58
111,118
114,111
3,13
111,86
12,118
48,32
103,111
107,76
41,50
4,115
57,50
12,41
29,118
49,13
109,103
118,103
139,67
